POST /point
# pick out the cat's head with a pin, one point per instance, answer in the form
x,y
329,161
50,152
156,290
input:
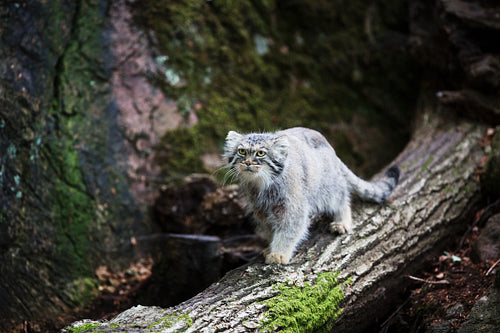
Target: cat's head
x,y
256,158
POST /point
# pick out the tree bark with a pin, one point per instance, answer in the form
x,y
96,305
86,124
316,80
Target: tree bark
x,y
437,194
65,201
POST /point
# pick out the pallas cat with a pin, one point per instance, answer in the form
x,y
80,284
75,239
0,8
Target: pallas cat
x,y
289,176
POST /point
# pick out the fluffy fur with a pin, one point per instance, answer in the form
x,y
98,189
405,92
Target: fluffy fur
x,y
290,175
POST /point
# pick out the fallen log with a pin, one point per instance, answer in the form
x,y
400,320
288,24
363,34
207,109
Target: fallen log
x,y
438,192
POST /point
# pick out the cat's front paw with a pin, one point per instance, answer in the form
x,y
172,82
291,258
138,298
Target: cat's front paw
x,y
341,227
277,258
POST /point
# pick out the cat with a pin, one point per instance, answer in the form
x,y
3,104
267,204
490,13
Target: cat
x,y
290,175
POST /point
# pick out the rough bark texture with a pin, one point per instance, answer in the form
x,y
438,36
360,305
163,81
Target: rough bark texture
x,y
65,201
437,192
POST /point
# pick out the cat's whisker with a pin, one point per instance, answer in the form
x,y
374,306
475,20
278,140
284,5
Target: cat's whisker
x,y
230,176
226,176
220,170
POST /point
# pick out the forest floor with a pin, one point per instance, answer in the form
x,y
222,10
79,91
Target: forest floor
x,y
442,295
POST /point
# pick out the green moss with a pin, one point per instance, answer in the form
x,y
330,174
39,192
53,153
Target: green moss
x,y
83,290
73,209
426,164
312,308
182,148
448,188
171,319
88,327
264,65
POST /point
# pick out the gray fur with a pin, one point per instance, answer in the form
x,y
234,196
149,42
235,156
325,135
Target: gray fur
x,y
289,176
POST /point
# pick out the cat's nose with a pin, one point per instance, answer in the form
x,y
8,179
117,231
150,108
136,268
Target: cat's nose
x,y
247,162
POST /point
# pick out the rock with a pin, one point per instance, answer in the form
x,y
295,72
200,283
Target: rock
x,y
144,113
441,327
490,181
485,315
487,247
454,311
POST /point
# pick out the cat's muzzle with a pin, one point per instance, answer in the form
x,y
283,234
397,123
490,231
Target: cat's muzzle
x,y
248,166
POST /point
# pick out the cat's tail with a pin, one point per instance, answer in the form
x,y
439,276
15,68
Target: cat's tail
x,y
378,190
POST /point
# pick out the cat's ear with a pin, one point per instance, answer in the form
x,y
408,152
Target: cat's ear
x,y
280,147
232,139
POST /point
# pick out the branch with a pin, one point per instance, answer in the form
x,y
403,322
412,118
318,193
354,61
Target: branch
x,y
427,281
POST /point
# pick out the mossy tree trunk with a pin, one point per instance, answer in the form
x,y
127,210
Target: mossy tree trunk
x,y
65,205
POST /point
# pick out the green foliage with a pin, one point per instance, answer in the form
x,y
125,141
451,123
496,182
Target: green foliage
x,y
312,308
263,65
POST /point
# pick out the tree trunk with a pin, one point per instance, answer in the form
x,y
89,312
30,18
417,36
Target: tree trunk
x,y
437,193
65,202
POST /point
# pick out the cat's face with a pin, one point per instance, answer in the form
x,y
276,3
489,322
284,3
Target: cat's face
x,y
256,158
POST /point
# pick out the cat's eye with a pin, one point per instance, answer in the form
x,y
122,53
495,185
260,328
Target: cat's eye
x,y
261,153
242,151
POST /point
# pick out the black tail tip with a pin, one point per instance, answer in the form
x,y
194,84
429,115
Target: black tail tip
x,y
393,172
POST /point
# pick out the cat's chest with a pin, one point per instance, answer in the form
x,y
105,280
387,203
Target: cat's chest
x,y
268,204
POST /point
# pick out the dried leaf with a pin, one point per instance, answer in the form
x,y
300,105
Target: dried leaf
x,y
103,273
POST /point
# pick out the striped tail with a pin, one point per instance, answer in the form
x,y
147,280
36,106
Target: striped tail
x,y
378,190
